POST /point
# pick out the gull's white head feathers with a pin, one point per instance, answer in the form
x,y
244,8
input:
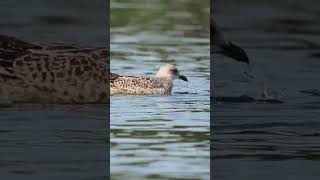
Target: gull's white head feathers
x,y
170,71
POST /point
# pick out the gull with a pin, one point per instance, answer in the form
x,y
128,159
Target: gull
x,y
56,74
219,45
161,84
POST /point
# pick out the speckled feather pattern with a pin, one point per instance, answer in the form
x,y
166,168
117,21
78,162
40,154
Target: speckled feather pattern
x,y
127,85
30,73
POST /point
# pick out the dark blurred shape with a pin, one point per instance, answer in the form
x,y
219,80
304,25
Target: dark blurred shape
x,y
219,45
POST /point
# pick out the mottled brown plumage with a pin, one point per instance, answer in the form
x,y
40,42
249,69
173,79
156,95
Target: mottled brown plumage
x,y
60,74
141,86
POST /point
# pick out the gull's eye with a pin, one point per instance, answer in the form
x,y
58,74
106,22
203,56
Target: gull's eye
x,y
174,71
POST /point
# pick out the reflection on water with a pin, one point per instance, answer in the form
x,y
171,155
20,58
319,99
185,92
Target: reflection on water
x,y
265,140
161,137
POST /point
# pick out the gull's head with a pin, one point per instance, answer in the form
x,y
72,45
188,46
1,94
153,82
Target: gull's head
x,y
170,71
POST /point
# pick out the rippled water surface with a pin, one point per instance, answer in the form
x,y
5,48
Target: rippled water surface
x,y
275,135
53,142
164,137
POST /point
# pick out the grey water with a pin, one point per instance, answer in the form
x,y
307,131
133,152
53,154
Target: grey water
x,y
161,137
54,141
257,138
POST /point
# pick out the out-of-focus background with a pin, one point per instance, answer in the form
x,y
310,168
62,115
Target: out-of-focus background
x,y
54,141
79,22
163,137
277,138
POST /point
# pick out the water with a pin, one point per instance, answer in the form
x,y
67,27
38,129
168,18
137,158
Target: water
x,y
54,141
268,139
164,137
47,22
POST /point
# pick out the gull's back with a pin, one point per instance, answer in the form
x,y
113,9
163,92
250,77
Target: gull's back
x,y
30,73
129,85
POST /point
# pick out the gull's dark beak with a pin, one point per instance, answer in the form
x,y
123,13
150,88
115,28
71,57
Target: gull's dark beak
x,y
235,52
183,78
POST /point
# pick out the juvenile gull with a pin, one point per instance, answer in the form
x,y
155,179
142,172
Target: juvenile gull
x,y
161,84
59,74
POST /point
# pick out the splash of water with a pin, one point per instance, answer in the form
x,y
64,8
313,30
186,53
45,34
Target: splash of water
x,y
187,88
264,85
192,88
